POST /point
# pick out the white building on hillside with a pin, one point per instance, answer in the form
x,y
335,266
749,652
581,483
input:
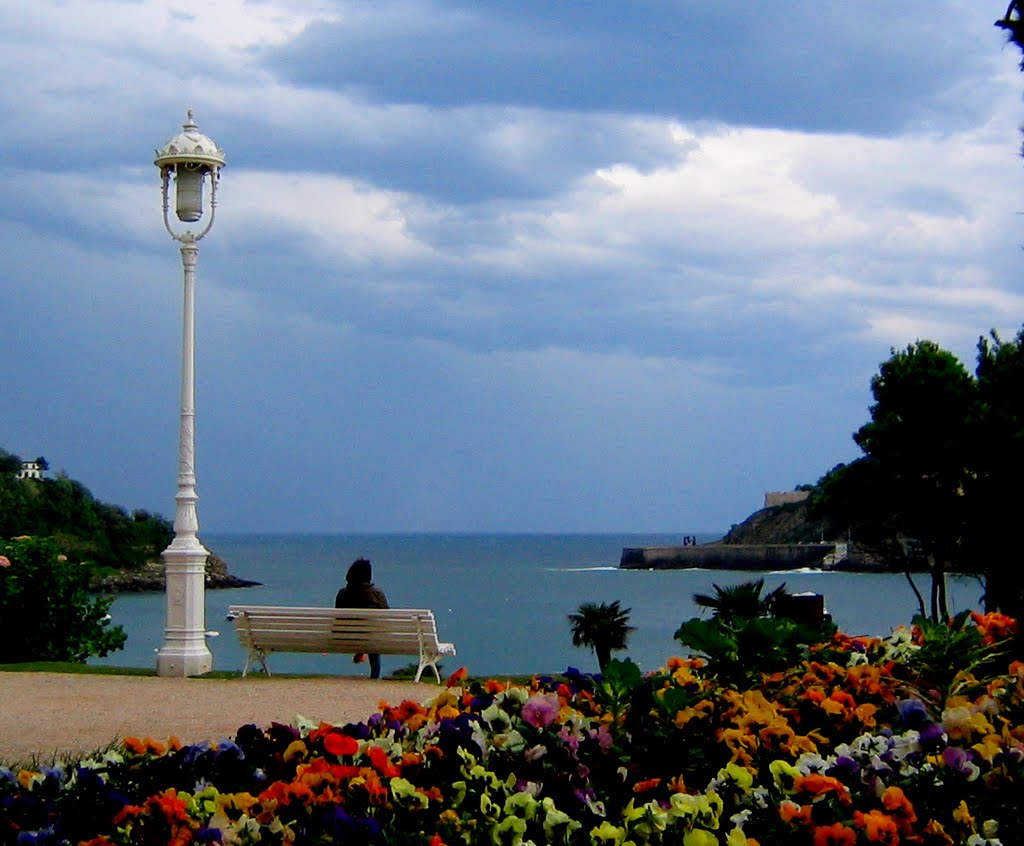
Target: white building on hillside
x,y
31,470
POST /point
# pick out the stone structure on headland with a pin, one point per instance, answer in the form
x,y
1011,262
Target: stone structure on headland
x,y
774,498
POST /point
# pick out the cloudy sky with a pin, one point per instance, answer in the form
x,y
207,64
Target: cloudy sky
x,y
495,266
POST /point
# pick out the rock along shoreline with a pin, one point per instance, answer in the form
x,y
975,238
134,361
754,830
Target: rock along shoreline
x,y
152,578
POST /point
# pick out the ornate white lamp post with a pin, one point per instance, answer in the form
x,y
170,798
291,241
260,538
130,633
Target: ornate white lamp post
x,y
190,157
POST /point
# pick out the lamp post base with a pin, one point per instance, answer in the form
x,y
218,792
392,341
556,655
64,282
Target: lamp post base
x,y
185,652
182,663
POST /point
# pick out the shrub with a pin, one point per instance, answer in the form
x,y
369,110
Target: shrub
x,y
750,634
46,611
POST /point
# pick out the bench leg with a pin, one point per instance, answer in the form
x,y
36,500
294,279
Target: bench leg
x,y
424,663
259,656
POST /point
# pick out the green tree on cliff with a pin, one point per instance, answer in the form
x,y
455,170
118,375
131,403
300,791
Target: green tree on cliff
x,y
96,533
999,470
942,452
922,439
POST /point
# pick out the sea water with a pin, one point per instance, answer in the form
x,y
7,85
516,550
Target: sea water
x,y
503,599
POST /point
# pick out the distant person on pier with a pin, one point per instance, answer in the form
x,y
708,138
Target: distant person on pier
x,y
361,592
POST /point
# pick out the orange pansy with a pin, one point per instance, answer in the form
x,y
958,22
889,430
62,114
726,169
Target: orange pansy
x,y
878,827
791,812
817,785
836,834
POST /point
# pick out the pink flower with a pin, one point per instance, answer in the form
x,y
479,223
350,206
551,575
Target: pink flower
x,y
541,709
5,561
603,737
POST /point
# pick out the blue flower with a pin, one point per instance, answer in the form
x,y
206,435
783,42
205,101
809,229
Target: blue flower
x,y
932,736
912,712
343,827
843,764
195,752
42,837
229,750
360,731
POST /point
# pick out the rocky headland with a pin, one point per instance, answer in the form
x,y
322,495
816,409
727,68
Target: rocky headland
x,y
780,537
151,578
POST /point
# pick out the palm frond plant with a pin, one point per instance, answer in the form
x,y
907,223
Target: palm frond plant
x,y
749,633
604,627
741,601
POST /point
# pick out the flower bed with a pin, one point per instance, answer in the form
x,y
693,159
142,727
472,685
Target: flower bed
x,y
915,738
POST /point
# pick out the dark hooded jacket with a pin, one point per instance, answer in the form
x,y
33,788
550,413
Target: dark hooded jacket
x,y
359,590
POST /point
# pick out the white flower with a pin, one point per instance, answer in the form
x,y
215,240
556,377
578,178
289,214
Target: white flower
x,y
811,762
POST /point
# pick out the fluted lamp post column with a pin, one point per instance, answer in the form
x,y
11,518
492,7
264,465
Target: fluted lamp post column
x,y
190,158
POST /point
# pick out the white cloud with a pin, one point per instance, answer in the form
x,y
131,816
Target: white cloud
x,y
335,216
182,28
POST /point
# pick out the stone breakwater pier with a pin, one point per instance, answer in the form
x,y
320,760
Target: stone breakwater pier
x,y
730,556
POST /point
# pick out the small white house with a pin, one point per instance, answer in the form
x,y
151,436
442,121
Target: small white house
x,y
31,470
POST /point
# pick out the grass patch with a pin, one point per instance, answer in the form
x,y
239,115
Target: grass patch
x,y
223,675
73,667
230,675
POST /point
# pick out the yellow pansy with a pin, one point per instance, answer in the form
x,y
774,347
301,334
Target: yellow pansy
x,y
607,834
699,837
740,776
784,774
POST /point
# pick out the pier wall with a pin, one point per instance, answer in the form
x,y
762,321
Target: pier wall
x,y
722,556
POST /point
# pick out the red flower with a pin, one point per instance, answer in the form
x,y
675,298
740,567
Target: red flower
x,y
284,793
380,761
340,744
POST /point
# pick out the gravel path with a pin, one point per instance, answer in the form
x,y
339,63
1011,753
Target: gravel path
x,y
47,715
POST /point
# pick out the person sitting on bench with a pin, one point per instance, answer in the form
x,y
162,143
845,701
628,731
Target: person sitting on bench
x,y
361,592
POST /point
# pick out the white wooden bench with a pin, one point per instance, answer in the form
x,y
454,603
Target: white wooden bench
x,y
263,629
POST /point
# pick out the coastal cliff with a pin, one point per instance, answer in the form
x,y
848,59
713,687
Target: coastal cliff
x,y
781,537
780,524
119,549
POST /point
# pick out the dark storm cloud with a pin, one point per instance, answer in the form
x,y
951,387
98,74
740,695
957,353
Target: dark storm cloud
x,y
796,65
